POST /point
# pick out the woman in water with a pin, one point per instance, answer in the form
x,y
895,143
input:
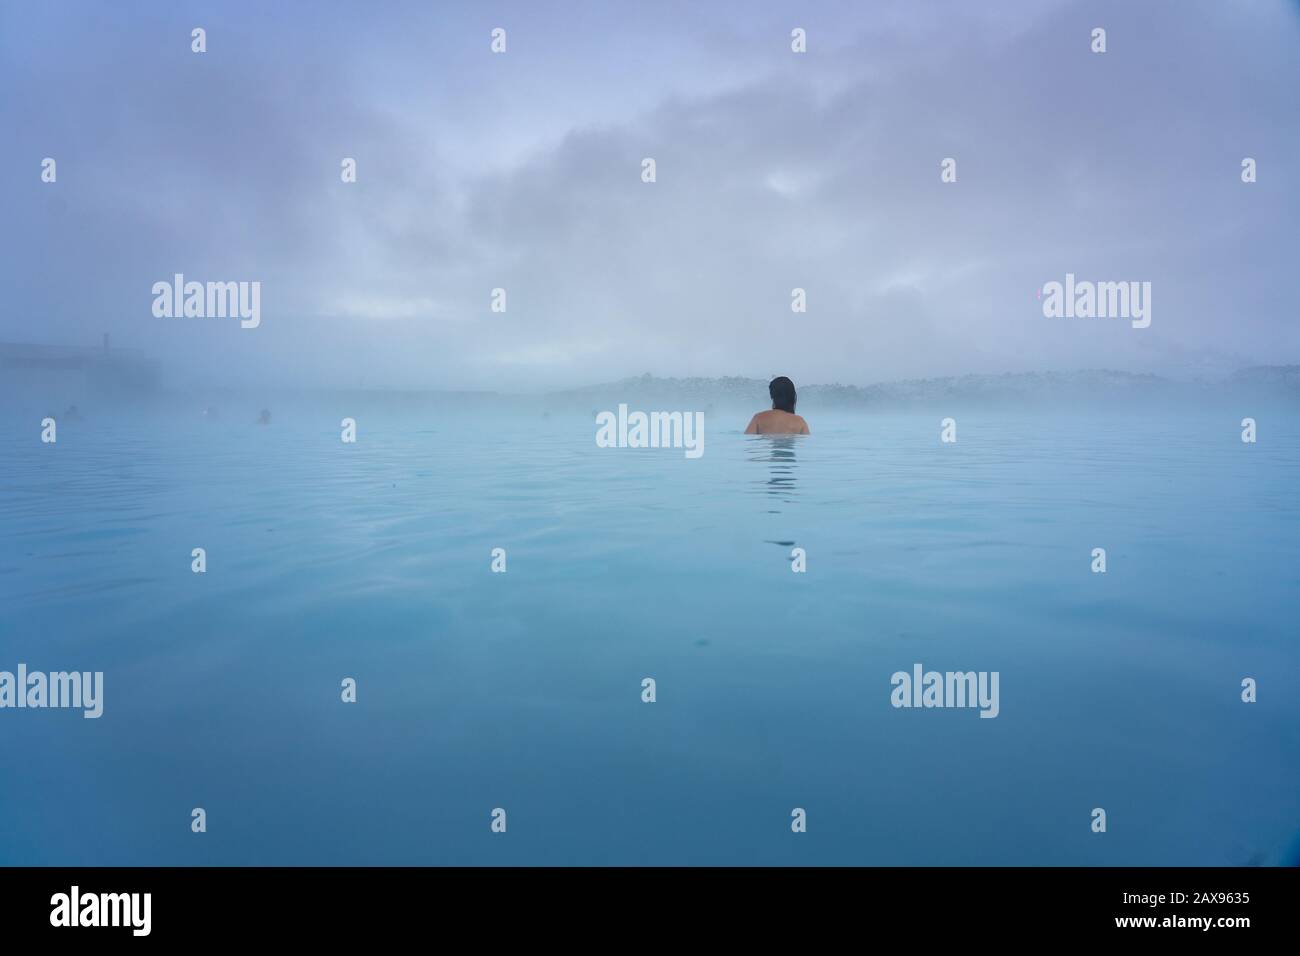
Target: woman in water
x,y
780,419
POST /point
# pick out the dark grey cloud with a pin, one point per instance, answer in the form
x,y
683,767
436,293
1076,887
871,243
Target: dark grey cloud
x,y
775,171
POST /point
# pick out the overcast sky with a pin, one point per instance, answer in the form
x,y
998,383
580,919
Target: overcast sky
x,y
775,170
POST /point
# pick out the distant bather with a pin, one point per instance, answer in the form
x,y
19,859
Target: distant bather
x,y
780,419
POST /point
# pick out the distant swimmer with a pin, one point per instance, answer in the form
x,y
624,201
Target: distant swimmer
x,y
73,414
781,419
265,417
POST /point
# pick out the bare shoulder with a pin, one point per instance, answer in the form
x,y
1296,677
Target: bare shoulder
x,y
776,422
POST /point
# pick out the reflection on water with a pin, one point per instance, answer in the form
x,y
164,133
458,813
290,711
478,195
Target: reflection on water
x,y
778,452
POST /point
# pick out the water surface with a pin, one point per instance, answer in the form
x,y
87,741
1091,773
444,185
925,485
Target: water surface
x,y
523,690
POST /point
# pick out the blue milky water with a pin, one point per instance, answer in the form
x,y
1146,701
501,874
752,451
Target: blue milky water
x,y
523,690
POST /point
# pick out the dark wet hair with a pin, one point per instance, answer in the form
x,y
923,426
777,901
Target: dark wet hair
x,y
782,391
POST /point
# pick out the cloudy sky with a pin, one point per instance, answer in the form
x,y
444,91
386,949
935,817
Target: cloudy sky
x,y
775,170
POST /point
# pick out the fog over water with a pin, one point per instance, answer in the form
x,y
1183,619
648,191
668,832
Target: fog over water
x,y
775,171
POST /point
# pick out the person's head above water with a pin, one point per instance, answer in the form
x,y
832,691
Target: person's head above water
x,y
783,394
780,419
